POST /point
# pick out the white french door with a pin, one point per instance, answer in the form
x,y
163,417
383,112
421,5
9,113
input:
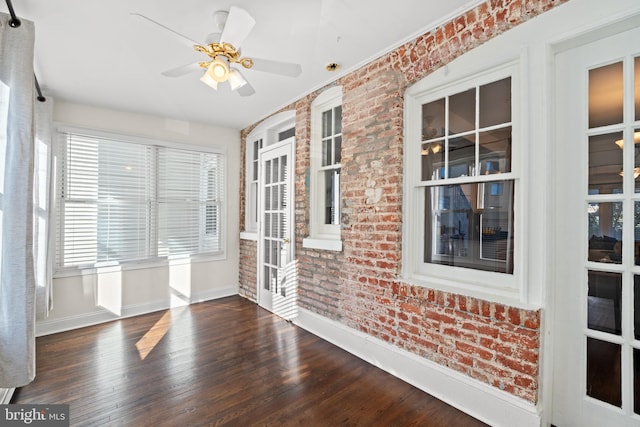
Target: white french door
x,y
276,269
596,300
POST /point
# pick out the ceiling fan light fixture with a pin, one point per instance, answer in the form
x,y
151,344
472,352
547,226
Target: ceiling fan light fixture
x,y
236,79
218,70
209,81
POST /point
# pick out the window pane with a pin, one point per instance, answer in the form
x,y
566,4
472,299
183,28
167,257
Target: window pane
x,y
495,103
338,150
605,164
604,302
432,155
462,155
327,152
332,196
462,112
637,86
338,120
433,119
605,95
470,225
495,151
286,134
605,232
603,371
636,232
327,123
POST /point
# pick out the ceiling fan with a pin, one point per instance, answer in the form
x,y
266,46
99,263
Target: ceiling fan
x,y
223,51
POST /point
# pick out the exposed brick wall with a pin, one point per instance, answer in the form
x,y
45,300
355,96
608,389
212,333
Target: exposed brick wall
x,y
359,287
248,257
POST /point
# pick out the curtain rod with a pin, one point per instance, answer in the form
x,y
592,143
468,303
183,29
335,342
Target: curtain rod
x,y
14,22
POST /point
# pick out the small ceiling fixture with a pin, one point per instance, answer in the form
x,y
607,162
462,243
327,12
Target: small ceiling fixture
x,y
332,66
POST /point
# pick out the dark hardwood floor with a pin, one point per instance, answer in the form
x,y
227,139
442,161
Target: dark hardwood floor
x,y
223,362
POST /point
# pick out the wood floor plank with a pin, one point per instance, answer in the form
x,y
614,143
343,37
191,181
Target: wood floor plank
x,y
222,362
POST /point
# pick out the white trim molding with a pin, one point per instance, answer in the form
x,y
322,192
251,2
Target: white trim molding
x,y
48,327
486,403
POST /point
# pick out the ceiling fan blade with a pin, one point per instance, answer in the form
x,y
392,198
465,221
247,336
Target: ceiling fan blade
x,y
276,67
246,90
238,26
182,70
182,37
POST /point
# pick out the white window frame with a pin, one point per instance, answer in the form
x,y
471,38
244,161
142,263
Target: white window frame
x,y
467,281
268,133
321,236
62,129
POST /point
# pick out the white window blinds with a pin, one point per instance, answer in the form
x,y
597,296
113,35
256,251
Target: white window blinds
x,y
120,201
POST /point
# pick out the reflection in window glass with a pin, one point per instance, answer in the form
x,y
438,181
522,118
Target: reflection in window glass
x,y
432,156
470,225
637,86
605,95
495,151
605,163
636,165
433,119
636,380
605,232
603,371
462,154
636,307
462,112
495,103
332,196
604,302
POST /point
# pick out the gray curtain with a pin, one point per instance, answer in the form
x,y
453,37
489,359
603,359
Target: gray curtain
x,y
17,276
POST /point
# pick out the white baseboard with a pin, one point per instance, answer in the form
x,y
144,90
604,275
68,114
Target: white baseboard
x,y
5,395
473,397
47,327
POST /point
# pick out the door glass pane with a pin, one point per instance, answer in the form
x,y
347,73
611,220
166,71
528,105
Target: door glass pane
x,y
637,86
495,151
605,163
605,232
495,103
267,278
636,232
338,119
604,302
462,112
636,156
432,160
267,173
462,155
603,371
636,380
433,119
636,307
605,95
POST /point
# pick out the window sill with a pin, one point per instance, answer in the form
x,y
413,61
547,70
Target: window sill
x,y
249,235
322,244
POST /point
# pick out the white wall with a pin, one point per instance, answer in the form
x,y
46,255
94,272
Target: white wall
x,y
112,292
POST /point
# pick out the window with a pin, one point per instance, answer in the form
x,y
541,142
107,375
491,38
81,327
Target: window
x,y
326,150
465,186
120,201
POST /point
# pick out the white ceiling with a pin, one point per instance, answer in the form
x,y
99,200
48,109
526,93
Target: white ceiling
x,y
95,52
